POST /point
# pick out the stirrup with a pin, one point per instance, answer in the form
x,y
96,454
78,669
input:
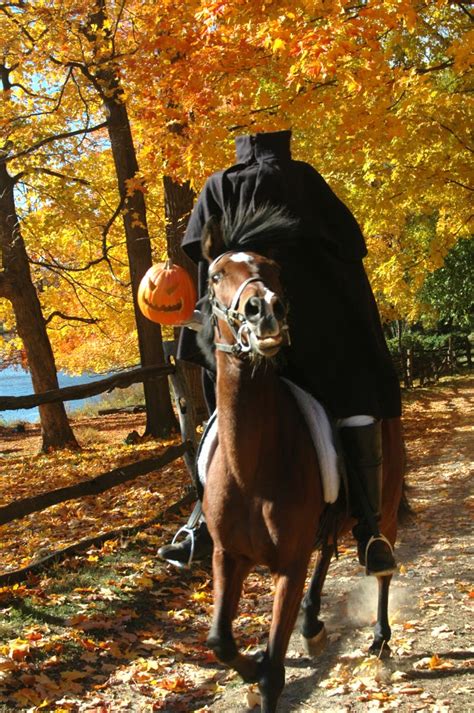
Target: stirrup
x,y
384,572
190,532
189,529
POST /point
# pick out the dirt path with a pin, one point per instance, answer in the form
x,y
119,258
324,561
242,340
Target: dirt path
x,y
115,629
431,598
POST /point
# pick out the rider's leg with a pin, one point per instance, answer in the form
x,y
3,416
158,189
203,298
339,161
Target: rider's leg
x,y
361,438
198,543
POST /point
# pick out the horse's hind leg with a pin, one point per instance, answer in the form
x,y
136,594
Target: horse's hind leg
x,y
271,673
382,631
229,574
313,629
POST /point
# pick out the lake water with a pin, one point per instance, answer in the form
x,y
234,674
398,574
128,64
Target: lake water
x,y
17,382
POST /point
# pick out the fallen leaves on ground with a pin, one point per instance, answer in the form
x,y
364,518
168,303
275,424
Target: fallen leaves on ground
x,y
115,629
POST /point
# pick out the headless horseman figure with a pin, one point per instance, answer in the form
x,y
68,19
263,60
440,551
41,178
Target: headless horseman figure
x,y
338,351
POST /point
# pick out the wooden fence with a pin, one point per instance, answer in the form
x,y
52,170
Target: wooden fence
x,y
187,420
418,366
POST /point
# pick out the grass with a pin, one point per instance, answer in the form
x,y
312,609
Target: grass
x,y
118,398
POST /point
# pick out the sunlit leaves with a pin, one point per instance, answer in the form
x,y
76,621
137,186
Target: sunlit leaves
x,y
377,95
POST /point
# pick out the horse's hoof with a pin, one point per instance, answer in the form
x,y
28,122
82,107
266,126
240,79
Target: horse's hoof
x,y
316,645
380,649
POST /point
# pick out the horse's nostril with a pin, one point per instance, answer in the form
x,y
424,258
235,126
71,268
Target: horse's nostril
x,y
252,308
279,310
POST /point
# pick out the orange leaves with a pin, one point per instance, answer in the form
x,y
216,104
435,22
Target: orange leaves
x,y
355,81
18,650
436,662
136,183
177,684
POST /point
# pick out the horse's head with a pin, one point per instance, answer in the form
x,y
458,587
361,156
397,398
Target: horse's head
x,y
246,300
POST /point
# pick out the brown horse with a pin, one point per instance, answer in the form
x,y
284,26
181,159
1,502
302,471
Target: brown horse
x,y
263,498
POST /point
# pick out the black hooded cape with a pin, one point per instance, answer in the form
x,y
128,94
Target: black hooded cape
x,y
338,349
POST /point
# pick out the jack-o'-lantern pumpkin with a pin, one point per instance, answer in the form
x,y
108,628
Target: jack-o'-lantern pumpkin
x,y
167,294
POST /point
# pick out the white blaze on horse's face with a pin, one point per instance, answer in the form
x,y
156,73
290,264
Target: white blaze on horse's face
x,y
249,285
247,259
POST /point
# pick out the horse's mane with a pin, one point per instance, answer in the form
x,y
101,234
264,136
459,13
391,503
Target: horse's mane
x,y
257,231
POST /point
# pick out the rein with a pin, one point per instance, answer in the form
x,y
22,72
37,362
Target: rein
x,y
233,317
236,321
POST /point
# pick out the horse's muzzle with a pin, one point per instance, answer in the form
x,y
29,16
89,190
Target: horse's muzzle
x,y
266,319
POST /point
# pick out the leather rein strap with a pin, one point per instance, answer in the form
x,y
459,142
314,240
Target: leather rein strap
x,y
233,318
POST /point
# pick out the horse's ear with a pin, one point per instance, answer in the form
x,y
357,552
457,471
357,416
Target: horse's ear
x,y
212,241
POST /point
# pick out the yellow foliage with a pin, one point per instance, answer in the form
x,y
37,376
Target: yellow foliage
x,y
385,120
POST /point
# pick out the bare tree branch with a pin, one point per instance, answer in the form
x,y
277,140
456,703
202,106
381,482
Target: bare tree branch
x,y
45,112
452,132
51,139
49,172
56,265
70,318
461,185
464,9
435,68
4,8
105,232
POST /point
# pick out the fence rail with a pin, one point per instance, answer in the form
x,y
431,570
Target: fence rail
x,y
426,366
125,474
120,380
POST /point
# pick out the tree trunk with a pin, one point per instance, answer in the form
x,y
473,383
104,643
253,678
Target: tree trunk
x,y
160,416
18,287
105,78
179,201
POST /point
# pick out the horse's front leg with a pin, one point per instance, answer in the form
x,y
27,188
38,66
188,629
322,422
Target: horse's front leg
x,y
382,631
229,574
286,603
313,630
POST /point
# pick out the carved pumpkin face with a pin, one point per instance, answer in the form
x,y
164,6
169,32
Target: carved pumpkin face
x,y
166,294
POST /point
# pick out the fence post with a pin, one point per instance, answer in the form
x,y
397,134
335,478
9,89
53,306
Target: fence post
x,y
409,368
182,396
468,353
451,356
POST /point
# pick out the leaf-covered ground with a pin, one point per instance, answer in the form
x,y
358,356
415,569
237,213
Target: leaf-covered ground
x,y
115,629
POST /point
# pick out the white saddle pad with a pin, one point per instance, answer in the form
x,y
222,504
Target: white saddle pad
x,y
321,435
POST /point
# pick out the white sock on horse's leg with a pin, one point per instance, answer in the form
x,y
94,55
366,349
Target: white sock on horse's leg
x,y
360,420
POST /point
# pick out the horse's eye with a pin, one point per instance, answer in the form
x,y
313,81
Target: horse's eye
x,y
216,277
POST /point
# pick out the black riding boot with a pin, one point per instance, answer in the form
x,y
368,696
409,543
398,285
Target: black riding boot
x,y
363,452
196,546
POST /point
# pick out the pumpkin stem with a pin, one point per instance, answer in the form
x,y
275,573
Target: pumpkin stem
x,y
168,264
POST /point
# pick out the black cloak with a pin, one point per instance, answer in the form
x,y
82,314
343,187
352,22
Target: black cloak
x,y
338,349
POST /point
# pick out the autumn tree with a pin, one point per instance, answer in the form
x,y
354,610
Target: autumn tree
x,y
377,94
94,83
103,74
16,284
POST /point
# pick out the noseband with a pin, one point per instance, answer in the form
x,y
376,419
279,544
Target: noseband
x,y
236,321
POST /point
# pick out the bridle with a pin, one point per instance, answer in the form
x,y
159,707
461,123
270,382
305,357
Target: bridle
x,y
235,320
